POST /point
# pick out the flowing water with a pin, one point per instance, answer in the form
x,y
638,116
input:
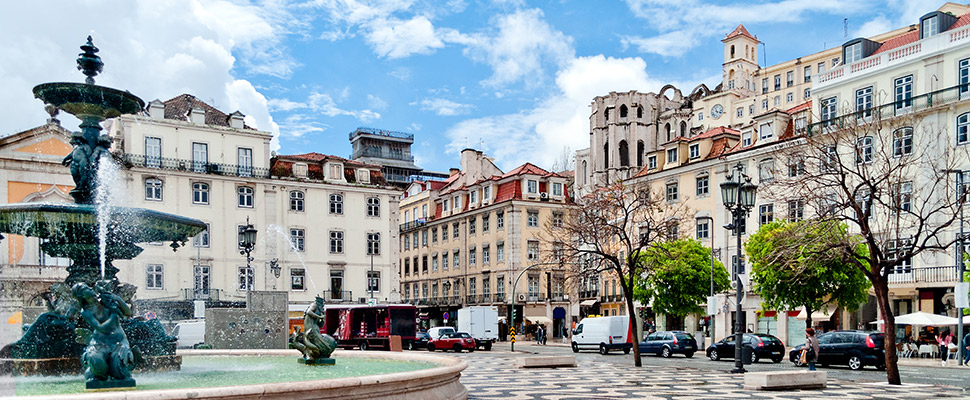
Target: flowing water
x,y
111,192
215,371
281,232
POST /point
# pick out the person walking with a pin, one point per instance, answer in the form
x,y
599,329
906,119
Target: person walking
x,y
811,348
966,352
944,341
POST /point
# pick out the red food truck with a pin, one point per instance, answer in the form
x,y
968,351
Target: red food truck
x,y
367,327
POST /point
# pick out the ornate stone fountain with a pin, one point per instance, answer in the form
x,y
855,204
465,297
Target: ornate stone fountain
x,y
89,322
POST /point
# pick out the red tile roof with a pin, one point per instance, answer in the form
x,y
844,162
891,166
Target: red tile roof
x,y
898,41
178,108
740,31
508,191
800,107
716,131
528,168
718,148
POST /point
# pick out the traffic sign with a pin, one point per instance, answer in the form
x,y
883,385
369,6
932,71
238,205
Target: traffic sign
x,y
445,315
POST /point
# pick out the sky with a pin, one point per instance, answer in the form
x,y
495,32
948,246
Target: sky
x,y
512,78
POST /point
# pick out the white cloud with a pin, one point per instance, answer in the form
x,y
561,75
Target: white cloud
x,y
897,14
561,121
444,107
399,39
153,49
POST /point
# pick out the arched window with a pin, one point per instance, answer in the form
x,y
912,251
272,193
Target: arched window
x,y
200,193
606,155
245,196
640,150
296,200
963,128
683,128
667,129
336,203
623,111
584,172
639,112
624,154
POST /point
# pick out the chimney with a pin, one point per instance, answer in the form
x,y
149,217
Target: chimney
x,y
156,109
236,120
453,171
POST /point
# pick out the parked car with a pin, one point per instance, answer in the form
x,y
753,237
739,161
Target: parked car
x,y
853,348
420,341
764,346
603,333
667,343
439,331
453,340
190,333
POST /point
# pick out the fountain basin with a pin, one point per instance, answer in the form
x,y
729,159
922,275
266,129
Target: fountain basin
x,y
419,376
84,100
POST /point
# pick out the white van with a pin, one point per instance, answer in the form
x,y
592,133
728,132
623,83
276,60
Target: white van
x,y
438,331
190,333
603,333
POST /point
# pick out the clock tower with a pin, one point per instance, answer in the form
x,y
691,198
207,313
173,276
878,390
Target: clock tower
x,y
740,61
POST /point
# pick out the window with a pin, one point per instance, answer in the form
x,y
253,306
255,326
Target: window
x,y
424,238
672,155
963,123
808,74
486,287
245,161
790,78
297,239
624,151
472,225
456,257
455,230
764,85
373,281
532,218
336,203
500,252
740,112
434,262
695,150
703,186
153,189
500,220
434,235
777,101
297,277
777,82
863,102
473,196
533,287
903,198
336,171
296,200
486,193
766,213
903,142
764,104
929,27
557,219
899,249
964,76
500,287
455,203
532,250
200,157
652,162
200,193
828,110
373,207
903,89
796,167
830,158
414,239
472,256
424,210
766,170
765,131
363,176
796,210
300,170
751,109
485,223
374,244
202,239
789,97
245,196
672,191
445,207
485,254
557,189
673,232
800,124
532,186
821,67
807,93
153,152
703,229
746,138
246,278
155,278
407,243
852,53
864,150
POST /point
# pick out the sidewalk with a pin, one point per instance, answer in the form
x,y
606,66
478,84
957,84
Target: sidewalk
x,y
930,362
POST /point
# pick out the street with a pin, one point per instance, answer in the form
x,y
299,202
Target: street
x,y
493,374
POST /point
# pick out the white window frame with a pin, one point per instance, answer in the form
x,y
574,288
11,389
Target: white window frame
x,y
154,277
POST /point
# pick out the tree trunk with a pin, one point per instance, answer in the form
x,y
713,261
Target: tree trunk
x,y
808,319
632,312
881,287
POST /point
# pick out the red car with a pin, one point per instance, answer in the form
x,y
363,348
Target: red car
x,y
454,340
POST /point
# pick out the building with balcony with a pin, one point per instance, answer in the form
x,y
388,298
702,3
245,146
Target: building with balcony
x,y
185,157
466,240
392,151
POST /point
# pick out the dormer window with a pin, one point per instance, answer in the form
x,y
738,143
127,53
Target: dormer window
x,y
672,155
363,176
852,53
695,151
764,130
300,170
929,27
746,138
652,162
336,171
532,186
473,197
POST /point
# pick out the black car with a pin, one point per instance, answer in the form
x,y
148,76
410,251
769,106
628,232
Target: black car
x,y
420,341
764,346
666,343
853,348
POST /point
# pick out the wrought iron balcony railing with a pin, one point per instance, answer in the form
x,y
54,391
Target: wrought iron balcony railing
x,y
175,164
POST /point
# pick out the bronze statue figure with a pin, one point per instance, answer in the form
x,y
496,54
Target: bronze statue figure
x,y
315,346
108,358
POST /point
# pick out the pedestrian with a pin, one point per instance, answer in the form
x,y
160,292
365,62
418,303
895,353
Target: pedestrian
x,y
944,341
810,352
541,334
966,350
565,335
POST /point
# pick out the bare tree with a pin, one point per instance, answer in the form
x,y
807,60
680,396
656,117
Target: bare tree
x,y
608,230
564,160
888,179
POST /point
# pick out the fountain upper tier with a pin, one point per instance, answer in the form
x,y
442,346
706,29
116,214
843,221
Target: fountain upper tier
x,y
86,100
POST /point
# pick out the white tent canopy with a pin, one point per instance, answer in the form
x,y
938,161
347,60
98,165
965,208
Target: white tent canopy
x,y
818,315
923,319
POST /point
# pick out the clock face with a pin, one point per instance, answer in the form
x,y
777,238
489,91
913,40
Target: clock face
x,y
717,111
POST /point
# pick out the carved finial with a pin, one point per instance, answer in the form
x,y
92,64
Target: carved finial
x,y
88,62
52,111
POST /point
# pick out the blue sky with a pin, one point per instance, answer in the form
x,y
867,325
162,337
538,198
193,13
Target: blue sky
x,y
512,78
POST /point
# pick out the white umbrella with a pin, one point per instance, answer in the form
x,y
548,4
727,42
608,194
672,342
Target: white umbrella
x,y
923,319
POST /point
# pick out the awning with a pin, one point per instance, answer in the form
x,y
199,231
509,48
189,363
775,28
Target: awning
x,y
501,319
540,320
820,315
587,302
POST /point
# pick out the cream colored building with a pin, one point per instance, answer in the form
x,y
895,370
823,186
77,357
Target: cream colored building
x,y
322,221
482,231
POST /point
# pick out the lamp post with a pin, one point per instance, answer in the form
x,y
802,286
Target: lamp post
x,y
515,282
961,197
738,197
247,242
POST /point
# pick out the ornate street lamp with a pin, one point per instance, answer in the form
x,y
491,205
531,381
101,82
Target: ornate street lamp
x,y
247,242
275,267
738,197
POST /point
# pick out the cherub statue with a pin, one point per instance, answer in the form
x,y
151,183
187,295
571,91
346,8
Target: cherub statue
x,y
108,356
80,162
103,149
315,345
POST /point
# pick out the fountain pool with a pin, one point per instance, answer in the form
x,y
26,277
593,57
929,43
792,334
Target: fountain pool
x,y
275,373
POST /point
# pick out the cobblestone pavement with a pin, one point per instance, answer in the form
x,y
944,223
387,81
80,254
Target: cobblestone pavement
x,y
494,376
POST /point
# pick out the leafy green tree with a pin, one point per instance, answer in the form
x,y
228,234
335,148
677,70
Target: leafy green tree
x,y
796,264
677,277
